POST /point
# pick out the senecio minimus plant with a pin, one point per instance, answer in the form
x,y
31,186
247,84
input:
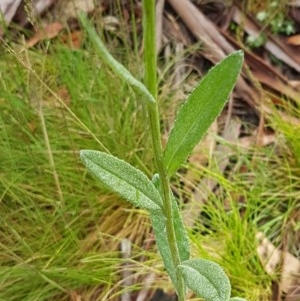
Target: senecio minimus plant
x,y
206,278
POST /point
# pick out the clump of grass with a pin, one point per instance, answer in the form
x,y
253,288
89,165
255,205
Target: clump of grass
x,y
226,227
57,234
283,191
246,203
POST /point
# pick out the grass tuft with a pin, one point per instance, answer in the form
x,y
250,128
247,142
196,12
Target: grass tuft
x,y
59,236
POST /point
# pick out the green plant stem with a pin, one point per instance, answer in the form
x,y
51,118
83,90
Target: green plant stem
x,y
167,201
151,84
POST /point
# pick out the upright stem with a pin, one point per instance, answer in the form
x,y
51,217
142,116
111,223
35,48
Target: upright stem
x,y
151,84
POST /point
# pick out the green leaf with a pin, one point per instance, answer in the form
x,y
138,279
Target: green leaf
x,y
237,299
158,221
182,239
201,108
206,278
122,178
118,68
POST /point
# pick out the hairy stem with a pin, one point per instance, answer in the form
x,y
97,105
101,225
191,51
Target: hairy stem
x,y
151,84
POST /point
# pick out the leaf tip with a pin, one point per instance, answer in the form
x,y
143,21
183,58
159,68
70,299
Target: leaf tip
x,y
82,153
239,54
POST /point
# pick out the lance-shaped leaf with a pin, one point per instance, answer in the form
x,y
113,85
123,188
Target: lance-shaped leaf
x,y
122,178
182,239
158,221
201,108
117,67
206,278
237,299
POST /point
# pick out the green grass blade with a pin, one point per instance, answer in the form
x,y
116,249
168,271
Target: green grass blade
x,y
117,67
201,108
122,178
206,278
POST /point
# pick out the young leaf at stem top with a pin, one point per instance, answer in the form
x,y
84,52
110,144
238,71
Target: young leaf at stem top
x,y
124,179
201,108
